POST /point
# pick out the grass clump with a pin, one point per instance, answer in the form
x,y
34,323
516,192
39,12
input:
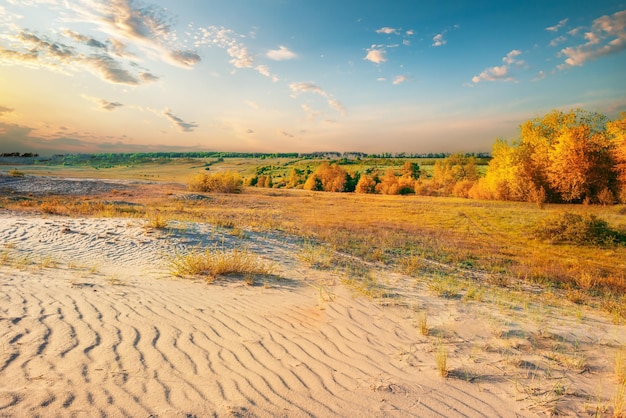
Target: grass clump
x,y
16,173
577,229
620,366
441,359
218,262
157,220
222,182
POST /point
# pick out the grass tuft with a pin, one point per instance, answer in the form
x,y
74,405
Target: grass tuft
x,y
441,359
218,262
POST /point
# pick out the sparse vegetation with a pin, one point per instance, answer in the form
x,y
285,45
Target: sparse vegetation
x,y
441,358
222,182
567,227
213,262
16,173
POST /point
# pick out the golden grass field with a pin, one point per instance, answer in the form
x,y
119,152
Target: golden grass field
x,y
556,311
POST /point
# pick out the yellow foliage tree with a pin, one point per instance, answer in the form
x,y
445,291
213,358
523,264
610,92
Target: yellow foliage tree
x,y
327,178
366,184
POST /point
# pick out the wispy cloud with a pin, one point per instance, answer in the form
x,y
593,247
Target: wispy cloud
x,y
4,110
387,31
558,26
399,79
558,40
281,54
287,134
103,103
438,40
500,72
376,54
309,87
179,123
606,37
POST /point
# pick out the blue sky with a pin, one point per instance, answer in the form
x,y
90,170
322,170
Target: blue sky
x,y
299,75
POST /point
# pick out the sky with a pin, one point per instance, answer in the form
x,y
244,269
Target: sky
x,y
84,76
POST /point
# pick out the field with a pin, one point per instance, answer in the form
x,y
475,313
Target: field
x,y
491,305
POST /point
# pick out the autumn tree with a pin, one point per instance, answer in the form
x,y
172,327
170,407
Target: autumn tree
x,y
327,178
617,132
366,184
453,169
560,157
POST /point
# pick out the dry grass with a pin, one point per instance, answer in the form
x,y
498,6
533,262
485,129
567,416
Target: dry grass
x,y
418,236
620,366
212,263
441,358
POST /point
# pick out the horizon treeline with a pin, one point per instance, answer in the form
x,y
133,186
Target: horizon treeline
x,y
561,157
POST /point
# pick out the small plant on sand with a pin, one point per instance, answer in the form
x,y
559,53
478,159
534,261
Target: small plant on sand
x,y
422,324
441,358
4,258
410,265
620,366
47,262
213,262
16,173
319,257
156,220
619,402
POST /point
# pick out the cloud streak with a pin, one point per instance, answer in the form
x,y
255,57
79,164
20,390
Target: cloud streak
x,y
281,54
178,122
309,87
606,37
500,72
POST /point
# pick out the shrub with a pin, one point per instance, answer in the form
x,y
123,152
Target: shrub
x,y
222,182
577,229
215,262
16,173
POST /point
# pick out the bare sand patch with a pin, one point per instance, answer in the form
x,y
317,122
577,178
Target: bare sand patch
x,y
92,323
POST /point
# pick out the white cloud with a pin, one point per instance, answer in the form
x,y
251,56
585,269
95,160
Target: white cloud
x,y
309,87
558,40
399,79
376,55
438,40
281,54
387,31
607,37
178,122
500,72
558,26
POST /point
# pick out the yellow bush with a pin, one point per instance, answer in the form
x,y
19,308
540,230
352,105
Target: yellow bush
x,y
222,182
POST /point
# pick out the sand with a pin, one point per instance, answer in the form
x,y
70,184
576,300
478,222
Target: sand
x,y
92,323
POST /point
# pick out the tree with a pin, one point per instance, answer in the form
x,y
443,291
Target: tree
x,y
328,178
411,170
366,184
617,132
560,157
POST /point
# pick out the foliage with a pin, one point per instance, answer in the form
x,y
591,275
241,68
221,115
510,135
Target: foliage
x,y
16,173
222,182
452,170
567,227
217,262
560,157
328,178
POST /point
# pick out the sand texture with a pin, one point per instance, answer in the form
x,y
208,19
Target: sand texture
x,y
93,324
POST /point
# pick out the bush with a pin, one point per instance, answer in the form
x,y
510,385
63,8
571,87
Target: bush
x,y
16,173
222,182
577,229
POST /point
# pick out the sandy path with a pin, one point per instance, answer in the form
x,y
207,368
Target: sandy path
x,y
107,332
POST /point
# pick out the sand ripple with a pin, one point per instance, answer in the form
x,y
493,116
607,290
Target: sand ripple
x,y
76,343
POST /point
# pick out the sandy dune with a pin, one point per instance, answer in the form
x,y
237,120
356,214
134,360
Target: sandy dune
x,y
108,332
92,324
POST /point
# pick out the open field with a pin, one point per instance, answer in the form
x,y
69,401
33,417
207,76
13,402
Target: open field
x,y
376,305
